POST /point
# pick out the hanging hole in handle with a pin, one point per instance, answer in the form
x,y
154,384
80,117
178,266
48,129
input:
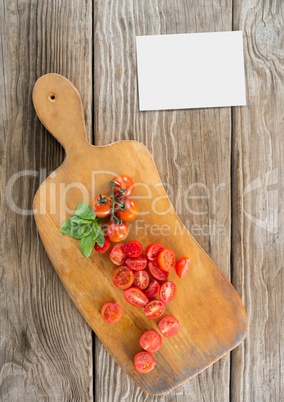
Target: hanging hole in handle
x,y
52,97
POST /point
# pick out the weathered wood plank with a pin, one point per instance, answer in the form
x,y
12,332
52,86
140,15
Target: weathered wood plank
x,y
47,346
258,194
191,150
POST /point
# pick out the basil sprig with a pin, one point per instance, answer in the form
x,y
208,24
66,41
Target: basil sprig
x,y
85,227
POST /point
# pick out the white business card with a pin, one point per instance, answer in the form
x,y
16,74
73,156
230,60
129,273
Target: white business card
x,y
184,71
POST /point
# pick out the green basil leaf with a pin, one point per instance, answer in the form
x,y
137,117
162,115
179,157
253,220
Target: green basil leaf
x,y
84,211
76,227
77,220
87,244
66,228
98,234
82,230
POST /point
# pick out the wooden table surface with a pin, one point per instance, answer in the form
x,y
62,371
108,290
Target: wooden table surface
x,y
229,159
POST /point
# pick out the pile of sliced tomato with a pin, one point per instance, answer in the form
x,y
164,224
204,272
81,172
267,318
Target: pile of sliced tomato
x,y
143,277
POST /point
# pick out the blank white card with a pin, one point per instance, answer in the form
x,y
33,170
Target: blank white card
x,y
185,71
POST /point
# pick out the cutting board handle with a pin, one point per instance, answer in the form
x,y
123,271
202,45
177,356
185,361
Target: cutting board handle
x,y
58,105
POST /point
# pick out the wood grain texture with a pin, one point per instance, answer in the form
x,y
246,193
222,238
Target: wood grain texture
x,y
258,194
46,344
189,147
202,338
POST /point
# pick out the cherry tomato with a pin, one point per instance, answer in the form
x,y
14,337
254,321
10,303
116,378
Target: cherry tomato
x,y
144,362
122,277
137,263
117,232
111,312
156,272
169,326
104,248
133,248
150,341
166,260
153,289
135,297
153,250
117,255
123,181
101,205
130,211
182,266
154,309
141,279
168,291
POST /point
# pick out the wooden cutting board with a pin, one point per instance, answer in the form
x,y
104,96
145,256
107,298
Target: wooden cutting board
x,y
212,317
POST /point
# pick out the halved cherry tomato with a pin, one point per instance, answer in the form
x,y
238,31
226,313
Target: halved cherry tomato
x,y
153,250
111,312
133,248
168,291
117,255
123,181
116,232
137,263
135,297
154,309
166,260
150,341
169,326
129,212
144,362
153,289
182,266
122,277
141,279
104,248
101,205
156,272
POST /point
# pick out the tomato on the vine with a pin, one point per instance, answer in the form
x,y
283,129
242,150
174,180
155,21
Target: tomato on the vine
x,y
154,309
182,266
166,260
129,210
135,297
150,341
168,291
117,231
144,362
101,205
123,181
169,326
104,248
117,255
111,312
122,277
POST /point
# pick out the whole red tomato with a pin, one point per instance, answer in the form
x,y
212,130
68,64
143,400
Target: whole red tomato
x,y
104,248
123,181
116,232
101,205
129,212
